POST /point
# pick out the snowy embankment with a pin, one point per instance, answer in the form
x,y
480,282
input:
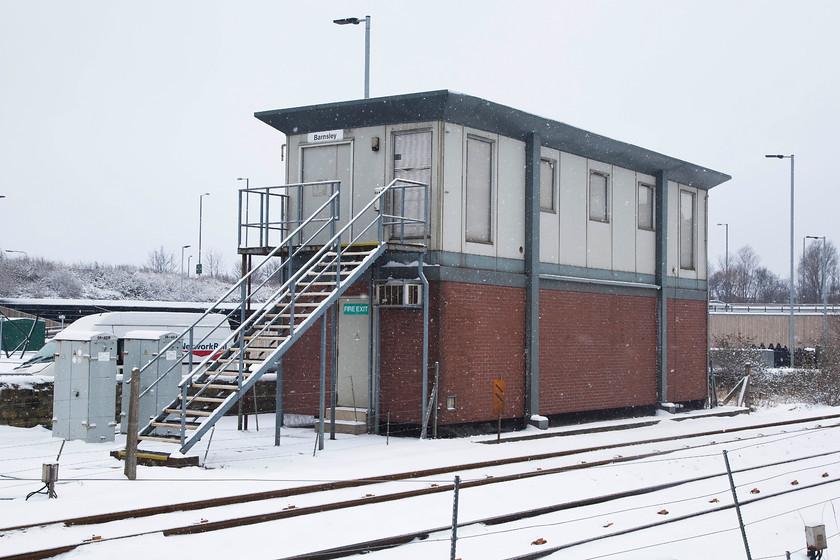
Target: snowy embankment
x,y
242,462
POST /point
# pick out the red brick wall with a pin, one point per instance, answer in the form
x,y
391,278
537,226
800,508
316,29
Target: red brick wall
x,y
481,338
687,350
598,351
401,364
302,373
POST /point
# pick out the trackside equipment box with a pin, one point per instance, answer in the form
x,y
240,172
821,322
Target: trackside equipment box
x,y
85,393
139,348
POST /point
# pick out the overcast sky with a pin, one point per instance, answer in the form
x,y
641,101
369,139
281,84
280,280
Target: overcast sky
x,y
116,116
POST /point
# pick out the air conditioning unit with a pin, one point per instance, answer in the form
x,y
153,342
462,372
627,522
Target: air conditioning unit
x,y
399,295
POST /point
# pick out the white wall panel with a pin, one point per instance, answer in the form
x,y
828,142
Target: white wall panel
x,y
368,172
510,213
646,239
599,234
624,220
453,179
573,211
550,221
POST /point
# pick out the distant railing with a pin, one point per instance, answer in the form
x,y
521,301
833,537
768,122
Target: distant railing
x,y
772,308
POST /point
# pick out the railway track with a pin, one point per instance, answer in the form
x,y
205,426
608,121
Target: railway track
x,y
177,519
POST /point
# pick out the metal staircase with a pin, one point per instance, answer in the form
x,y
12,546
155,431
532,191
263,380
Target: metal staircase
x,y
311,278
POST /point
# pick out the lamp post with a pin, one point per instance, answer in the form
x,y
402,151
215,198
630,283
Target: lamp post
x,y
182,269
726,283
357,21
790,157
200,212
24,253
823,284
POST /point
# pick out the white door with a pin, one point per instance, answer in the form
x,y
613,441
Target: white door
x,y
353,362
326,163
412,161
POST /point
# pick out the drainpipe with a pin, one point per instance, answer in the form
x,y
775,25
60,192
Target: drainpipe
x,y
661,275
532,276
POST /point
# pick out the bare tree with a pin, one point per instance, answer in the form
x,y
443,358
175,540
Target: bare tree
x,y
745,281
215,263
769,288
818,271
161,261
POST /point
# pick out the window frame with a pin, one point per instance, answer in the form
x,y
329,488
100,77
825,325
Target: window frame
x,y
652,190
603,216
470,236
692,239
554,174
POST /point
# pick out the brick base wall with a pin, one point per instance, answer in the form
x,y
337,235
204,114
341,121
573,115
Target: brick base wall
x,y
598,351
687,350
481,337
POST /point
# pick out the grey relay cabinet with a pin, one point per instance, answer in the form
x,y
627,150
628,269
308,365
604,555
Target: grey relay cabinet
x,y
85,394
139,347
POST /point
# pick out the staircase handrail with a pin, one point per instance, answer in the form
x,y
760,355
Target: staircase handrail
x,y
335,241
238,285
288,289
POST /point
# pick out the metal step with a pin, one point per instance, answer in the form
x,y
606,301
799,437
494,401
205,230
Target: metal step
x,y
174,426
216,386
161,439
203,399
190,411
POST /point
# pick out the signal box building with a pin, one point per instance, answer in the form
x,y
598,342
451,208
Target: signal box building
x,y
567,265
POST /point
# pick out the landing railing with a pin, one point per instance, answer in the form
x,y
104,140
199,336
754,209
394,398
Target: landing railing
x,y
268,214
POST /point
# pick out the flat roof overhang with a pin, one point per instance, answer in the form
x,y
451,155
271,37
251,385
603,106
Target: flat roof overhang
x,y
457,108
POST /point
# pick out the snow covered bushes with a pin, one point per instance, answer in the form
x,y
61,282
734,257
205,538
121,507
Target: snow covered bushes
x,y
818,382
23,277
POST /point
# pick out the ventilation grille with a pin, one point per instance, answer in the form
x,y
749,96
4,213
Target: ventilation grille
x,y
399,295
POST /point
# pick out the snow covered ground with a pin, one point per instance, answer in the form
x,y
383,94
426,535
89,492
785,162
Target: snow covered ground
x,y
90,481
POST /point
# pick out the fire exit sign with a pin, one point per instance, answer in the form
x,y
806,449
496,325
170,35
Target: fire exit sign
x,y
356,308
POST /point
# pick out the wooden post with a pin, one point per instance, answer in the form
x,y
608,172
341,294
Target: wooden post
x,y
131,437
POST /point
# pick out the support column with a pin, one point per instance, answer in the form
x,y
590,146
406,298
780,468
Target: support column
x,y
532,276
661,275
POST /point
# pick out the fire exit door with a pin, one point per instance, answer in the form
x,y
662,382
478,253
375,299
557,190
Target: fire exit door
x,y
353,375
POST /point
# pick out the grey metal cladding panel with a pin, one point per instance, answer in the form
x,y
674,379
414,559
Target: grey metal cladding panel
x,y
467,110
416,107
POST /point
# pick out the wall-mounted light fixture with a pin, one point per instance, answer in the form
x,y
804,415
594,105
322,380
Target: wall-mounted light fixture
x,y
451,402
374,143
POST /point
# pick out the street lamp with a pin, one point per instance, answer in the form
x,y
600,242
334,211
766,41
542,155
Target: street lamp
x,y
780,156
182,269
726,284
824,284
247,181
24,253
200,212
357,21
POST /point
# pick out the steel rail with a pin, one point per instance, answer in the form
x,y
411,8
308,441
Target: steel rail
x,y
356,482
352,483
392,541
